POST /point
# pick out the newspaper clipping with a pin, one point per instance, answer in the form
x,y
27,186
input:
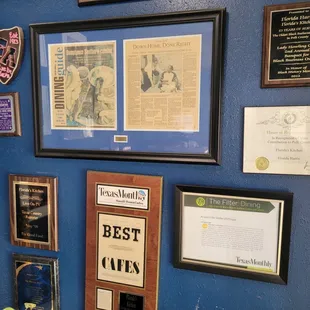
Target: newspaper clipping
x,y
162,83
83,85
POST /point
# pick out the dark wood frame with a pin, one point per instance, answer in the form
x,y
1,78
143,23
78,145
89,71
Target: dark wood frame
x,y
265,83
215,16
92,2
53,216
287,198
18,130
54,264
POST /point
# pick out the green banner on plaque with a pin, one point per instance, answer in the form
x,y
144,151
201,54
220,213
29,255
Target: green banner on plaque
x,y
234,204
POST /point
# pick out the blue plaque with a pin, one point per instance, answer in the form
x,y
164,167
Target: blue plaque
x,y
36,283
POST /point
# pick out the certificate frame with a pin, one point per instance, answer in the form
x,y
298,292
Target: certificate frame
x,y
34,211
48,272
15,114
284,226
199,146
293,81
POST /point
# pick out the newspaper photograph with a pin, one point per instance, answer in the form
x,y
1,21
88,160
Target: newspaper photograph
x,y
162,83
83,85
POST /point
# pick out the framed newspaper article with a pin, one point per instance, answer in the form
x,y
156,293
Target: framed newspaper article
x,y
139,88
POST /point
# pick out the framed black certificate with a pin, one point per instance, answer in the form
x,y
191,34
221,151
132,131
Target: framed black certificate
x,y
239,233
36,282
286,51
33,204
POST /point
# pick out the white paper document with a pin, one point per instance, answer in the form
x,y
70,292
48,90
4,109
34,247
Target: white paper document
x,y
277,140
233,231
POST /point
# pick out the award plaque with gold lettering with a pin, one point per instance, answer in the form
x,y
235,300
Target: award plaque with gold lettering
x,y
286,49
123,241
33,205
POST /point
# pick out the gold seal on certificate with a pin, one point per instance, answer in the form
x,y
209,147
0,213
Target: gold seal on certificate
x,y
277,140
262,163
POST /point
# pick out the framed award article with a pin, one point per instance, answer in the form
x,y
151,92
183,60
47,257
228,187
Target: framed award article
x,y
34,211
122,241
36,281
238,233
286,50
140,88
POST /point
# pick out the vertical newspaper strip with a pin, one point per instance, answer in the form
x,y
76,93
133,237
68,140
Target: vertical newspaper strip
x,y
162,83
83,85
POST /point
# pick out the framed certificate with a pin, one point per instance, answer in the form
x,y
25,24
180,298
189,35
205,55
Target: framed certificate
x,y
277,140
286,52
139,88
239,233
9,115
34,211
36,282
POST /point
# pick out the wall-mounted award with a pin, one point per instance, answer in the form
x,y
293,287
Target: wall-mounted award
x,y
11,53
286,51
33,205
277,140
36,282
239,233
9,114
123,241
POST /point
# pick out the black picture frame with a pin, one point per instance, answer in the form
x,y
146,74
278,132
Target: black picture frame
x,y
21,262
93,2
212,156
226,269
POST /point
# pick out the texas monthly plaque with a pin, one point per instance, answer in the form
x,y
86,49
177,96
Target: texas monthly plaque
x,y
33,205
123,241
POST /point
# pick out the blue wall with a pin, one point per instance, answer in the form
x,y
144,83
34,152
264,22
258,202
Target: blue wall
x,y
179,289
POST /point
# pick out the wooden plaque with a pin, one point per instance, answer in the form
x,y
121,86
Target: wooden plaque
x,y
33,206
122,241
286,50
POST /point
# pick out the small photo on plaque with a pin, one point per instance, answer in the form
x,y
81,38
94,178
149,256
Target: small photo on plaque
x,y
129,301
36,282
104,299
33,204
9,115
